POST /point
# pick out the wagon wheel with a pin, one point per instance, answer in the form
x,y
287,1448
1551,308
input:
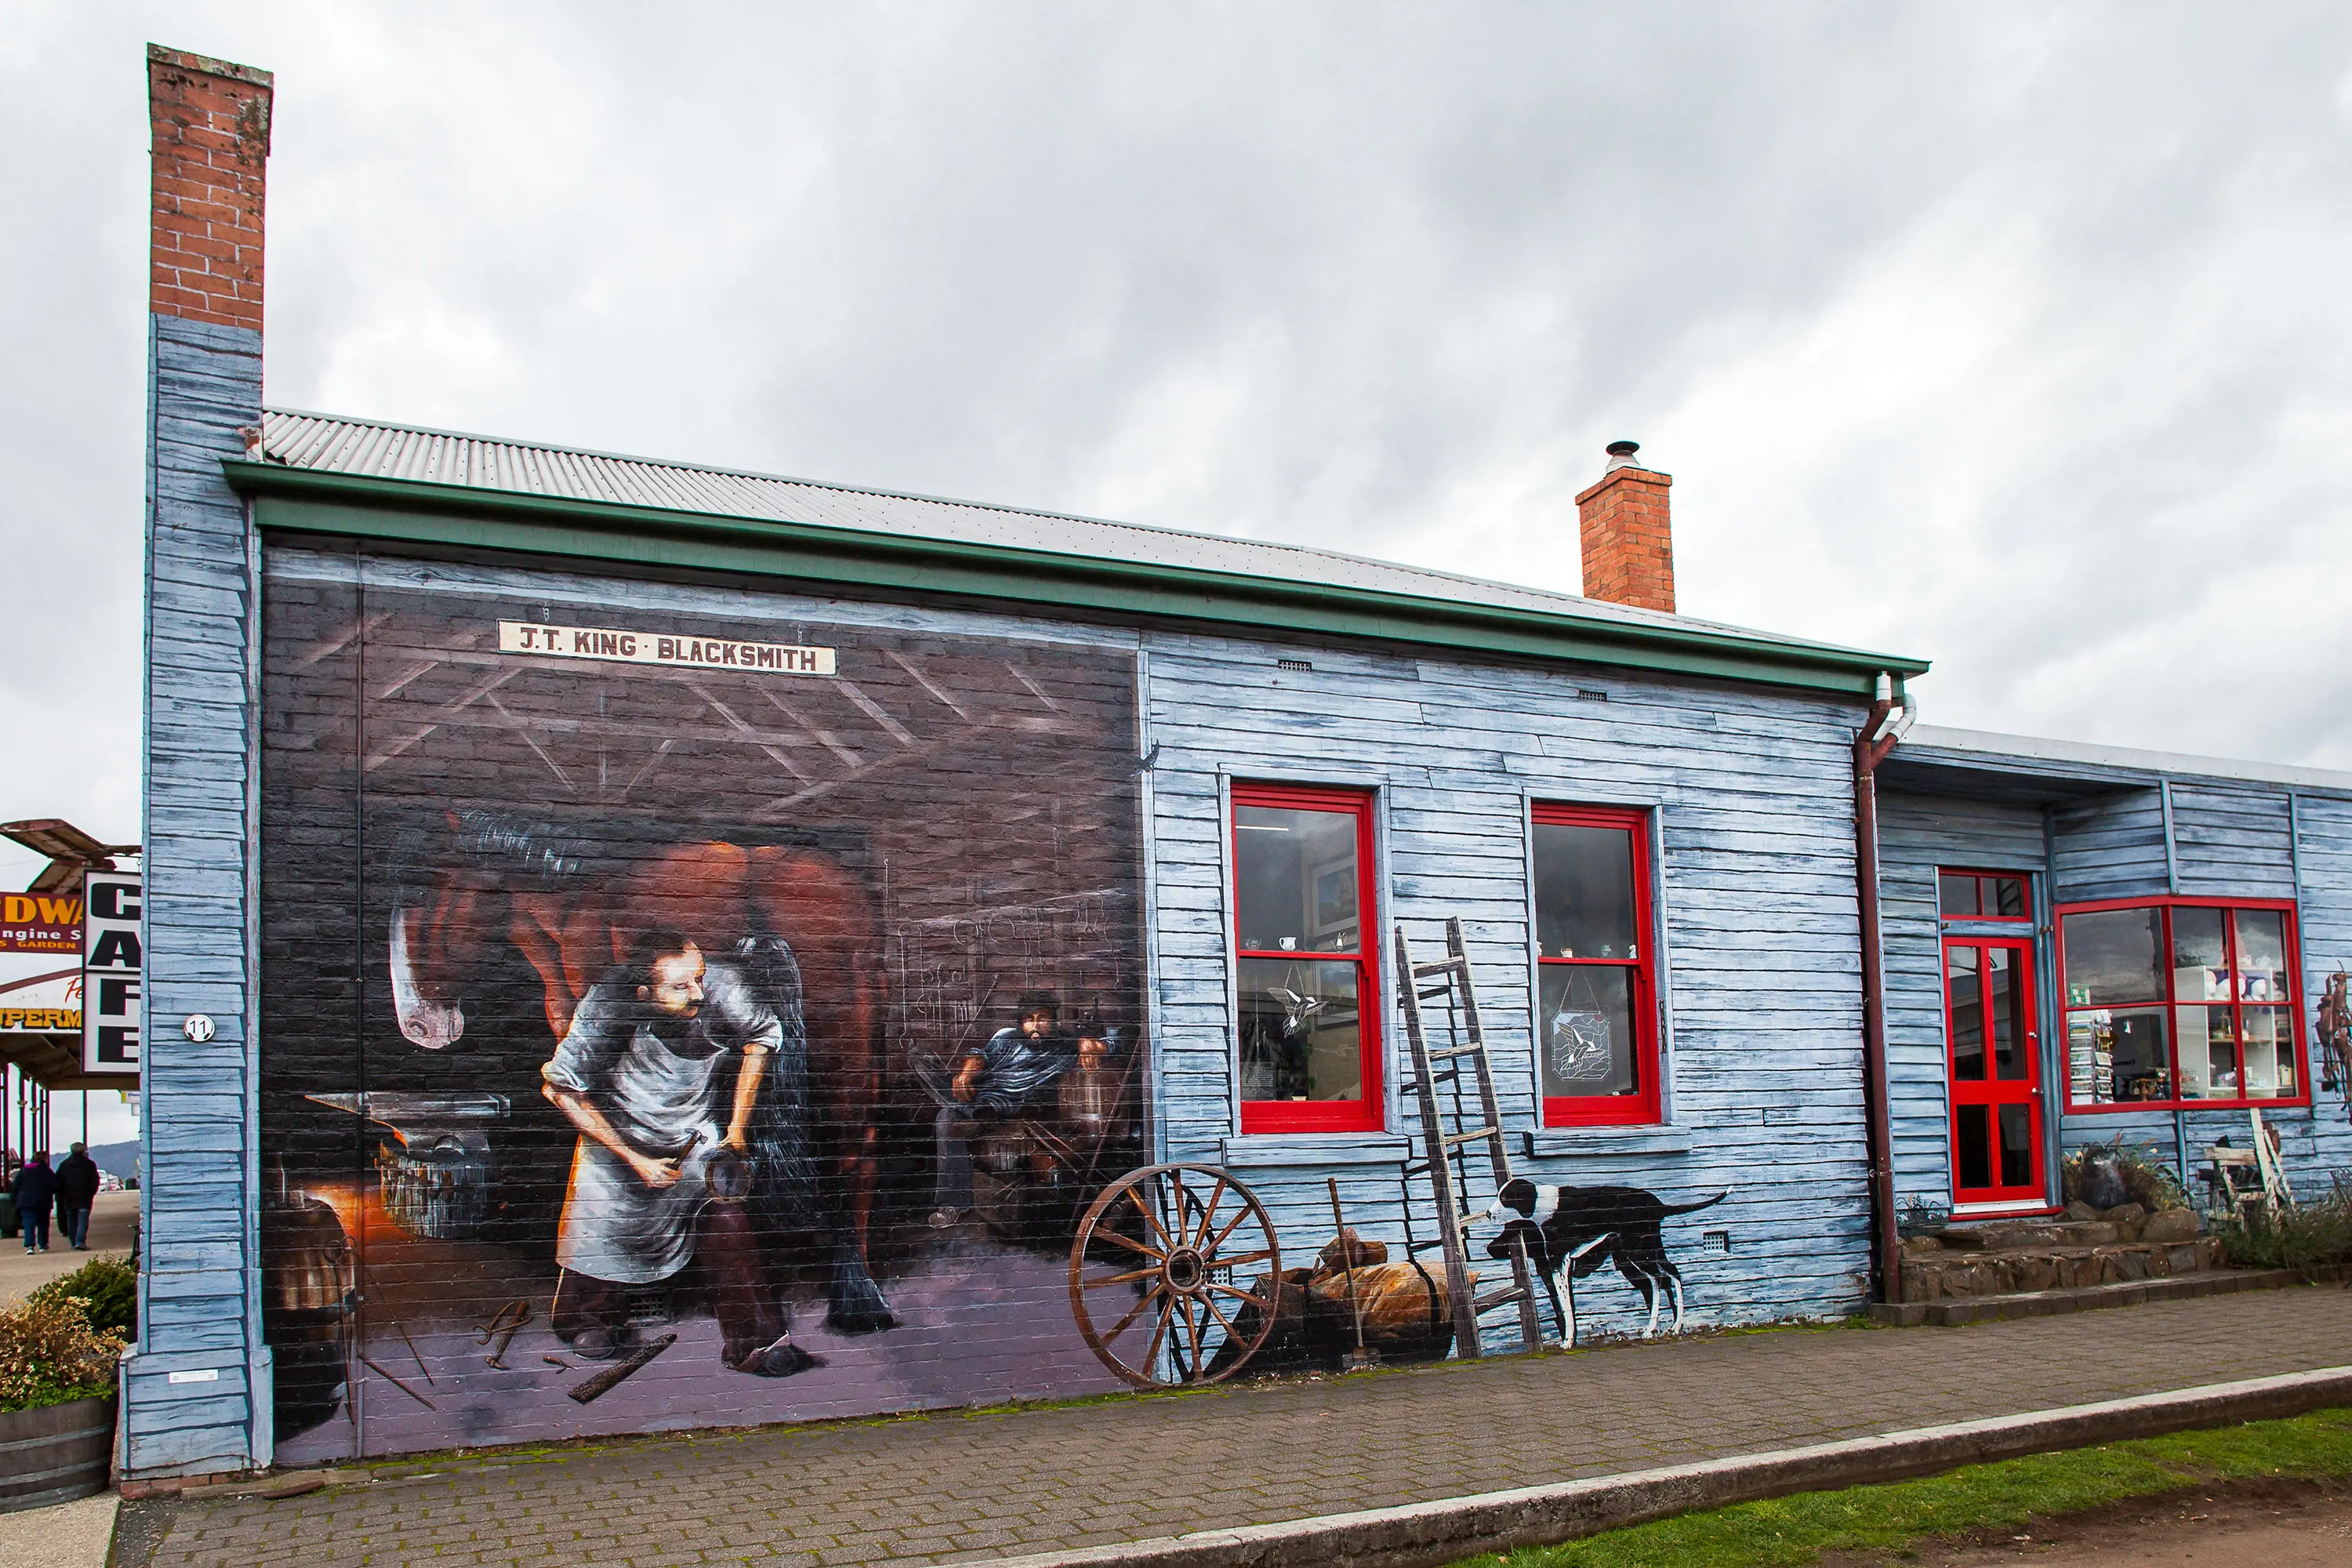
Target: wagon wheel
x,y
1179,1247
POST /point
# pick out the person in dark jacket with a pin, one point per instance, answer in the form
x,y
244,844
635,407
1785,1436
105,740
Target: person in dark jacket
x,y
34,1189
77,1191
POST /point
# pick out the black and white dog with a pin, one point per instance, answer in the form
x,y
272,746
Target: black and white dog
x,y
1581,1228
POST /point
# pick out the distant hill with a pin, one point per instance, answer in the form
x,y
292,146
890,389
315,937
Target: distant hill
x,y
114,1159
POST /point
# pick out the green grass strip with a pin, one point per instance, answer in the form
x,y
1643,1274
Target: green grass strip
x,y
1796,1529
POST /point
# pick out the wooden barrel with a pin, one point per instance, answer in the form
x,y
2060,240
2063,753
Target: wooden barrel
x,y
56,1454
309,1295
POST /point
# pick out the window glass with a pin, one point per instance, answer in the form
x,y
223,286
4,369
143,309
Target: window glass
x,y
1973,1144
1584,892
1967,992
1294,876
2262,955
2010,1026
1306,987
2270,1053
2016,1145
1302,1035
2113,956
2209,1053
2224,1004
2116,1055
1596,1028
1588,1030
1956,893
2200,960
1979,895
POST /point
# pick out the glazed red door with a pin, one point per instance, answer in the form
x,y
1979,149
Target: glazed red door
x,y
1996,1072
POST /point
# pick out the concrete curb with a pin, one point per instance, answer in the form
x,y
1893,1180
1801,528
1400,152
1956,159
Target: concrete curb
x,y
1430,1534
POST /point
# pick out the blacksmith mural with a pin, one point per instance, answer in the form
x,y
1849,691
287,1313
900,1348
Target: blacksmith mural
x,y
701,1015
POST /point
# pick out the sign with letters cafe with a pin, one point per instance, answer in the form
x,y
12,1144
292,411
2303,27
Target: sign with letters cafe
x,y
69,966
110,1007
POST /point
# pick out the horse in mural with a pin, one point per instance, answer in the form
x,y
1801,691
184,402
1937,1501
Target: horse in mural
x,y
575,908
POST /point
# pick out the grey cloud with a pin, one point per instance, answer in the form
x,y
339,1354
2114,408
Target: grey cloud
x,y
2009,335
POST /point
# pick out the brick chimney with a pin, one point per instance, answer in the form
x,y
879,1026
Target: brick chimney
x,y
1628,538
196,1390
210,121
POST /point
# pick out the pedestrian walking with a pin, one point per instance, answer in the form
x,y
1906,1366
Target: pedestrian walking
x,y
77,1191
34,1189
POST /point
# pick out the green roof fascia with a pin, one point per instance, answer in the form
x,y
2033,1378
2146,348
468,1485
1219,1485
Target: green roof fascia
x,y
412,511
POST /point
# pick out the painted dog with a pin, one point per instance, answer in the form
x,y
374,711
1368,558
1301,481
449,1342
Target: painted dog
x,y
1583,1227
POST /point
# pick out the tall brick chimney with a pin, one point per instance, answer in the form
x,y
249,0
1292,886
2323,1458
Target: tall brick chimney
x,y
196,1389
210,121
1629,541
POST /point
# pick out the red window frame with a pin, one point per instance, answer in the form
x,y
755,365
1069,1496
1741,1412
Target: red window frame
x,y
1983,875
1647,1107
1366,1113
2291,1002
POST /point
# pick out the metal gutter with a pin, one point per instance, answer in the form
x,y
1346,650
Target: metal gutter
x,y
465,516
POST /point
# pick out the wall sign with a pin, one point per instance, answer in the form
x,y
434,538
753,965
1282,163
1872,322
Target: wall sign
x,y
41,923
48,1003
110,966
656,647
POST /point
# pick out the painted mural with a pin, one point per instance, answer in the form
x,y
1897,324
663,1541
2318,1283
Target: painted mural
x,y
679,1016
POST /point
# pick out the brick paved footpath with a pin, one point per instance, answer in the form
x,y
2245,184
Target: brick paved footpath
x,y
968,1487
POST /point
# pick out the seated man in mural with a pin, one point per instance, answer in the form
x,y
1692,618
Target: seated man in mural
x,y
662,1052
999,1079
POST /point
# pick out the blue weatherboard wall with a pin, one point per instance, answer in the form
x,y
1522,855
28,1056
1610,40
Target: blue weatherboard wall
x,y
2111,847
1756,940
1760,970
1917,834
199,1305
2211,838
1754,887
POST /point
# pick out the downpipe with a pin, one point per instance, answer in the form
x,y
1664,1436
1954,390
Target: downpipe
x,y
1887,722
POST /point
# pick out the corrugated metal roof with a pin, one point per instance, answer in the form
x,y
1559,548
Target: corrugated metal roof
x,y
1930,744
369,449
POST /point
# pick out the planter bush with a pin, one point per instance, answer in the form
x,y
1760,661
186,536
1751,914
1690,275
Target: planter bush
x,y
108,1288
2312,1235
2145,1178
56,1400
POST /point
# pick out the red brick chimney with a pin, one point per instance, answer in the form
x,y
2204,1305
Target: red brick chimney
x,y
1629,541
210,121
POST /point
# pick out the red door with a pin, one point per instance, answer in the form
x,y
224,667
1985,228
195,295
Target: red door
x,y
1994,1058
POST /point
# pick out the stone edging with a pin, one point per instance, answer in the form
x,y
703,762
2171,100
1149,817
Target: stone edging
x,y
1957,1311
1430,1534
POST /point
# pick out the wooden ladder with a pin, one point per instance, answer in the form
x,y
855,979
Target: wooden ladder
x,y
1447,1144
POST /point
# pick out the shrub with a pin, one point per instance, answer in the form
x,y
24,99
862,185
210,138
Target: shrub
x,y
110,1287
49,1353
2148,1179
2310,1237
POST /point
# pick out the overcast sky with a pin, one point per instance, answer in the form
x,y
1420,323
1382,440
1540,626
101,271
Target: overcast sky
x,y
2012,336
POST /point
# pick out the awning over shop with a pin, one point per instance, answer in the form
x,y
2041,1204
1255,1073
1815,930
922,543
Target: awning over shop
x,y
54,1061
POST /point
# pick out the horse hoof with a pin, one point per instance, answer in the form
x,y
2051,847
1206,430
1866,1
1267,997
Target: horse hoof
x,y
782,1359
860,1320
